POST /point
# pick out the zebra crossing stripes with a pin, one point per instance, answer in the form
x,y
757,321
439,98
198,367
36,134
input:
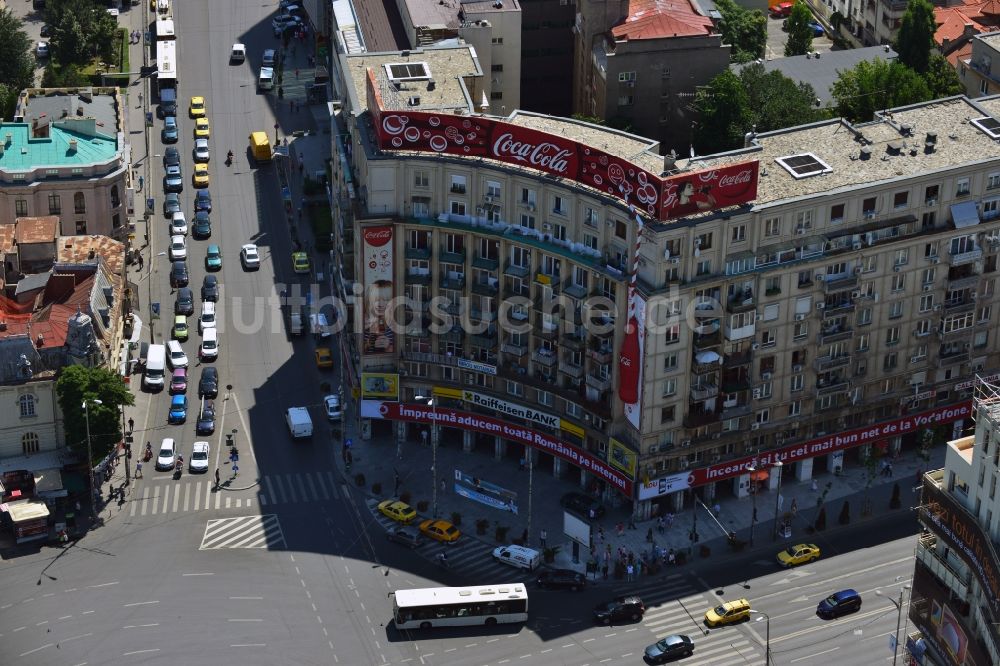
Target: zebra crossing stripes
x,y
243,532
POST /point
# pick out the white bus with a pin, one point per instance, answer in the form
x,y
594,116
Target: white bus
x,y
460,606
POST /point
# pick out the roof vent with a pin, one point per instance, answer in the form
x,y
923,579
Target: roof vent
x,y
932,137
91,254
40,340
8,138
431,85
894,147
930,142
906,129
414,101
72,145
1,150
866,152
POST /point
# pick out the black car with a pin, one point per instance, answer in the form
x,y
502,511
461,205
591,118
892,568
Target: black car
x,y
561,579
668,648
179,274
628,607
206,419
210,288
171,204
201,226
839,603
184,305
582,504
203,201
171,157
208,385
408,536
46,31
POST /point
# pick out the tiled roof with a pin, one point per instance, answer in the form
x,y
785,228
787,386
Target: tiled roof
x,y
951,21
36,229
962,54
657,19
76,250
7,237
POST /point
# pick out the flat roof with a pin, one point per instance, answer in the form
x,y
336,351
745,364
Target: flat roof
x,y
47,105
25,152
446,66
428,13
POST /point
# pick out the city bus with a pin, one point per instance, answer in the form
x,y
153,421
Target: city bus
x,y
460,606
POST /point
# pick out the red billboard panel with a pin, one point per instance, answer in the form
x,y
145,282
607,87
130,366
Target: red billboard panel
x,y
478,136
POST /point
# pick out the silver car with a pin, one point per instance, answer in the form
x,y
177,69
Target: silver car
x,y
201,151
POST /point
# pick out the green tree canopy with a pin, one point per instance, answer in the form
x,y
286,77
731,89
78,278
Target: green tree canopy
x,y
17,65
800,30
77,384
724,114
915,40
873,85
82,30
941,77
744,29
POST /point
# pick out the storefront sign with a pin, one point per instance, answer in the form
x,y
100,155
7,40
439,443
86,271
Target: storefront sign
x,y
510,408
484,492
961,386
453,418
476,366
941,619
380,385
830,444
622,457
664,485
481,136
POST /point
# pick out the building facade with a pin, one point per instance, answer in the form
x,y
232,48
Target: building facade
x,y
823,291
954,607
547,56
66,155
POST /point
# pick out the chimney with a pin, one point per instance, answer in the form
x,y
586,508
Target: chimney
x,y
72,145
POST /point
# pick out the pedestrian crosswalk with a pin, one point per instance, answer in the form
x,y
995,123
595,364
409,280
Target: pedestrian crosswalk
x,y
243,532
162,495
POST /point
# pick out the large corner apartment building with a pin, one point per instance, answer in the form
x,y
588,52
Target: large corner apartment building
x,y
841,303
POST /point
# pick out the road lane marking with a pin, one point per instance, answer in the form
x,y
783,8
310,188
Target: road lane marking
x,y
187,497
218,500
800,586
129,654
139,603
47,645
322,487
197,497
810,656
103,585
199,574
247,644
245,619
312,487
291,489
229,501
177,496
244,598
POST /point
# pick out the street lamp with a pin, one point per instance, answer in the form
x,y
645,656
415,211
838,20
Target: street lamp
x,y
753,498
767,640
899,617
90,455
777,499
434,451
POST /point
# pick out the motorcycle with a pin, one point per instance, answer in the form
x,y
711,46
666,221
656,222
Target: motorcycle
x,y
148,455
229,158
178,467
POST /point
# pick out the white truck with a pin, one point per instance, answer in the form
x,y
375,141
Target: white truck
x,y
300,424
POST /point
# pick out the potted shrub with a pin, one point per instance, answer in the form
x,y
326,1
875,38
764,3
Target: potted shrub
x,y
820,523
359,479
404,497
377,488
456,518
481,526
845,514
549,554
894,502
422,506
501,533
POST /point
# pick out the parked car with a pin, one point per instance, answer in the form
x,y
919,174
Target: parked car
x,y
206,419
213,262
171,157
208,385
839,603
171,204
561,579
184,304
42,50
178,274
440,530
178,409
332,405
407,536
178,248
201,227
582,504
203,201
782,10
201,151
798,554
627,607
675,646
180,330
173,181
178,224
199,457
401,512
179,380
210,288
169,133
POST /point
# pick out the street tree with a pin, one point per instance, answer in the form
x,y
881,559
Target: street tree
x,y
17,67
800,30
723,114
744,29
775,101
941,77
83,30
877,84
78,384
915,40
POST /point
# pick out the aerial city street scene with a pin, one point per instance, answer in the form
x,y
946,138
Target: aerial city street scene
x,y
486,332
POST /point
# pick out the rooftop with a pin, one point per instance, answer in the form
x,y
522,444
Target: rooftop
x,y
822,71
658,19
84,249
63,143
428,13
45,105
36,229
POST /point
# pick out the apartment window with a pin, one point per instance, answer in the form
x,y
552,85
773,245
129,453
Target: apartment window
x,y
805,279
626,100
795,408
923,328
892,336
980,339
956,323
621,230
457,207
993,181
837,213
421,206
931,194
21,207
574,410
590,217
891,361
559,232
767,339
79,203
703,241
739,233
558,205
493,189
704,267
544,398
527,196
920,352
763,416
670,362
868,206
520,256
898,283
927,220
81,227
983,315
803,220
27,405
115,197
900,200
772,227
669,388
962,244
55,208
864,316
928,276
771,312
988,287
962,187
590,241
29,443
796,383
458,184
869,264
764,390
626,76
527,221
801,330
672,334
896,310
421,180
901,258
497,40
824,402
514,388
930,250
667,414
927,302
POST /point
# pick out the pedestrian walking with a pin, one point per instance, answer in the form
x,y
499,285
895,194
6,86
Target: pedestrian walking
x,y
142,182
444,486
138,469
604,570
659,524
795,506
629,573
716,509
541,537
395,484
218,478
649,535
815,486
619,528
131,425
140,262
671,557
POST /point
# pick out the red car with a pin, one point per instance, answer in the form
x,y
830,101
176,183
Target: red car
x,y
782,10
178,381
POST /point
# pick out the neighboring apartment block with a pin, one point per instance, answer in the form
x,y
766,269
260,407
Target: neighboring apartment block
x,y
954,604
641,67
979,69
547,56
66,154
828,288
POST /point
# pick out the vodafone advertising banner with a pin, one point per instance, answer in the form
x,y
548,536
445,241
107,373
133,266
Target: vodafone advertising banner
x,y
478,136
810,449
453,418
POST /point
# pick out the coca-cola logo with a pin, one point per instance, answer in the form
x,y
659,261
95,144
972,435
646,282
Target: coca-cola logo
x,y
625,361
378,237
741,178
545,155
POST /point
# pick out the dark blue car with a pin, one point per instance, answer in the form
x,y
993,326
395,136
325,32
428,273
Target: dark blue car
x,y
169,132
839,603
178,409
203,201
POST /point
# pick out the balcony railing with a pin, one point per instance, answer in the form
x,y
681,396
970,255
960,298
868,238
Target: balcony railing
x,y
452,281
574,371
737,358
740,302
832,386
740,333
840,282
704,392
575,290
954,333
485,263
735,411
968,257
601,355
477,314
953,359
573,341
421,277
484,288
417,252
838,308
697,419
959,305
514,350
449,257
545,357
516,270
835,335
598,383
829,362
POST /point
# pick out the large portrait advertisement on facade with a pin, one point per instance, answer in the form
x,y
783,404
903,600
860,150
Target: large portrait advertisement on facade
x,y
630,362
377,334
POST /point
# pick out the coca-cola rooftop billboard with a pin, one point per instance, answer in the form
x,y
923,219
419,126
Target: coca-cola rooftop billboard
x,y
477,136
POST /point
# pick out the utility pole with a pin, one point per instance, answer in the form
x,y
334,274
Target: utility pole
x,y
90,456
777,499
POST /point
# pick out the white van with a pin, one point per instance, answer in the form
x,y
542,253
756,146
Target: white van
x,y
239,53
266,79
209,349
156,364
300,425
518,556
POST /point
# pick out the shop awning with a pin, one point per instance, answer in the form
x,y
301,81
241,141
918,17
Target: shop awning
x,y
48,480
965,214
136,328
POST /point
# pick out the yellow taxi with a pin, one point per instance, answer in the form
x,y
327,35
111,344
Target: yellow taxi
x,y
798,554
201,130
324,357
197,108
440,530
401,512
300,262
728,613
200,176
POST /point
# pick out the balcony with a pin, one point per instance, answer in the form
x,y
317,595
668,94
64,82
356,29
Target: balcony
x,y
514,350
451,280
946,360
741,333
740,302
824,363
835,334
735,382
832,386
704,392
598,383
477,314
571,340
548,280
959,305
838,308
737,358
954,334
840,282
600,355
927,553
417,277
485,263
707,340
455,334
699,418
575,290
574,371
546,330
488,288
457,189
961,258
449,257
516,270
735,410
545,357
486,339
417,252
